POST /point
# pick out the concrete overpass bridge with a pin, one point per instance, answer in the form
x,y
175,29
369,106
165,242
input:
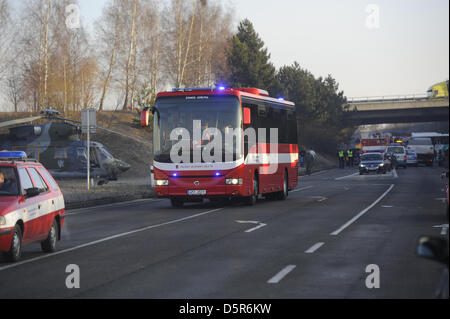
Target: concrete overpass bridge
x,y
397,109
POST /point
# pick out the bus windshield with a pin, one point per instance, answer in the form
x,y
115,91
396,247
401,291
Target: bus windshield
x,y
221,112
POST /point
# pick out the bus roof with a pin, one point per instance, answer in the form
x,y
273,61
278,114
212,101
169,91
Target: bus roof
x,y
239,92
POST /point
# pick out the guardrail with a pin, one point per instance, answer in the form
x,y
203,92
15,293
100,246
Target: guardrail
x,y
392,98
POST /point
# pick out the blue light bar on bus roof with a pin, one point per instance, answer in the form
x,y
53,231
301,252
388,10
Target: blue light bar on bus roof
x,y
13,155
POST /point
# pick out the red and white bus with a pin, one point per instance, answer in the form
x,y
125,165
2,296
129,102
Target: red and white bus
x,y
257,168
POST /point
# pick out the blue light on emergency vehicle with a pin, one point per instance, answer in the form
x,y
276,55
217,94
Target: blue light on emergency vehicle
x,y
217,174
281,99
12,155
221,88
175,175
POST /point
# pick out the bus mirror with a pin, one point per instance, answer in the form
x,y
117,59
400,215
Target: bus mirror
x,y
247,116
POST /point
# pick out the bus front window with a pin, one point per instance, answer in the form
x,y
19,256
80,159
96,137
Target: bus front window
x,y
178,113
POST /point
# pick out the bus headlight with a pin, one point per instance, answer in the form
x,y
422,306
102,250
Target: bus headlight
x,y
234,181
162,182
2,221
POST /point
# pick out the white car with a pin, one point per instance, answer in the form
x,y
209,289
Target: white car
x,y
411,158
400,154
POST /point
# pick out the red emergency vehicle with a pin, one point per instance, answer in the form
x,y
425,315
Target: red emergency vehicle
x,y
374,142
256,168
31,205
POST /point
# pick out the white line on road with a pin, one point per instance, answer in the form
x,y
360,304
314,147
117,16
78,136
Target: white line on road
x,y
260,225
108,239
444,229
319,198
394,173
314,248
337,232
301,189
344,177
283,273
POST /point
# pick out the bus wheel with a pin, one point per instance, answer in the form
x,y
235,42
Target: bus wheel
x,y
285,192
176,203
254,198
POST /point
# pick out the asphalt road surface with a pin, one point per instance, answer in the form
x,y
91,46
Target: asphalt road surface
x,y
316,244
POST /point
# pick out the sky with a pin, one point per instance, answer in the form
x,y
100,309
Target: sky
x,y
403,51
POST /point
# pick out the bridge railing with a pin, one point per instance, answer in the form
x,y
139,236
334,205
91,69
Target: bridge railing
x,y
390,98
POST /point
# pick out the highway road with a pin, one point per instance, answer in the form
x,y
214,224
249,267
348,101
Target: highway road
x,y
316,244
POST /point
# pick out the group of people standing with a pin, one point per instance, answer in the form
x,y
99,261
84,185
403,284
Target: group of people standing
x,y
346,158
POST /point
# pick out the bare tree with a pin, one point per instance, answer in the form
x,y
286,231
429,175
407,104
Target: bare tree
x,y
131,40
14,89
56,61
108,36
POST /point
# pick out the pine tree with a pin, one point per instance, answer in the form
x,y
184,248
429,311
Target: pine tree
x,y
248,60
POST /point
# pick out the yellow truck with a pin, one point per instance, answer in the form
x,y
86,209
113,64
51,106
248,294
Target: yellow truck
x,y
439,90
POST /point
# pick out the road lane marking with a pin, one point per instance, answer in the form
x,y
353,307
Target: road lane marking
x,y
301,189
394,173
314,248
337,232
344,177
319,198
444,229
260,225
99,241
442,199
283,273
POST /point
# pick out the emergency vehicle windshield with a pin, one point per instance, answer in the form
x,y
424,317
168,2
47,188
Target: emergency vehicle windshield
x,y
8,182
220,112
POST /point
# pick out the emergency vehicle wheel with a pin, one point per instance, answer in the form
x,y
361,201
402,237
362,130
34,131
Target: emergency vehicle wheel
x,y
49,245
254,198
285,192
15,252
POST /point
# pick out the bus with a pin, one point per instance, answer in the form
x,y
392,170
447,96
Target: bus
x,y
204,147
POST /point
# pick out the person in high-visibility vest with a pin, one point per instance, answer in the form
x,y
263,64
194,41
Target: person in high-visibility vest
x,y
350,158
341,159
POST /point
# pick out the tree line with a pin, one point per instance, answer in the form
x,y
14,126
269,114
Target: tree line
x,y
139,47
136,48
321,106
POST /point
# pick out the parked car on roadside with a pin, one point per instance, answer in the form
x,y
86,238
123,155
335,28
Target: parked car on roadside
x,y
31,205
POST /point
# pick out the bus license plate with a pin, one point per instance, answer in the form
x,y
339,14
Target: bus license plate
x,y
197,193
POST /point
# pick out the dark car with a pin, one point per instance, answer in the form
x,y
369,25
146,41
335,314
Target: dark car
x,y
372,163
